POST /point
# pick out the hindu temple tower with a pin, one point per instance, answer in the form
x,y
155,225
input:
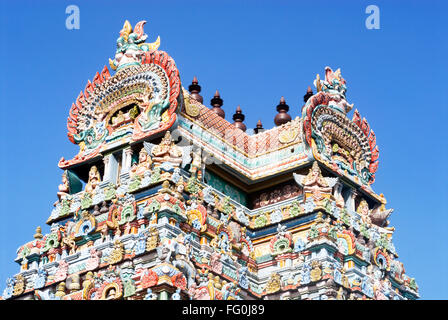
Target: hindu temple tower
x,y
166,199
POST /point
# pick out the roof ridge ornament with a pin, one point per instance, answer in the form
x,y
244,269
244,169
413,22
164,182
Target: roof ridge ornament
x,y
335,85
347,146
131,46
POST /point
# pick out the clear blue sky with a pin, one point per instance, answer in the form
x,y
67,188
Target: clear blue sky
x,y
254,52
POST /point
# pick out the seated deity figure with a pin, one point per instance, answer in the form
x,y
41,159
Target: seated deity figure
x,y
118,118
143,165
63,188
314,184
94,179
166,151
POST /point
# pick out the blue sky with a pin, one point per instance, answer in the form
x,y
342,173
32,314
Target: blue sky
x,y
253,52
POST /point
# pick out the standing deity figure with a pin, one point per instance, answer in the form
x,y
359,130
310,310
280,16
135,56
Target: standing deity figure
x,y
196,164
63,188
179,189
167,151
340,202
143,165
94,179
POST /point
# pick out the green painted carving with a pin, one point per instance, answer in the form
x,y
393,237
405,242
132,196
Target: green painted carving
x,y
261,221
332,233
364,230
413,284
313,233
154,206
281,246
382,242
65,208
134,184
127,214
129,288
51,242
229,272
327,205
25,252
155,177
109,192
227,207
192,185
295,209
93,136
345,217
86,201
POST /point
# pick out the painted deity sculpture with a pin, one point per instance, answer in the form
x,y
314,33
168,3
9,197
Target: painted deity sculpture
x,y
131,46
314,184
196,164
94,179
143,165
152,111
167,151
335,85
120,118
340,202
315,181
63,188
363,210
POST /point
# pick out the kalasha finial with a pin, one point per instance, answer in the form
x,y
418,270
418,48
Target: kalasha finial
x,y
38,234
282,115
259,127
238,117
194,89
216,103
308,94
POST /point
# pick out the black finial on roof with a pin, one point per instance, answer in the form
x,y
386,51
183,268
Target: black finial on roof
x,y
238,117
282,115
194,89
216,103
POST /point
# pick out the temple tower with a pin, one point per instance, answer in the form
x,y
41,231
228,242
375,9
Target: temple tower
x,y
168,200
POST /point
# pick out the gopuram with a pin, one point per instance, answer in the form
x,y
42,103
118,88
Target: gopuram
x,y
167,200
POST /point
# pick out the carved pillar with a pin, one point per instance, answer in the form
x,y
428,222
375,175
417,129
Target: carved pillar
x,y
163,295
351,200
107,162
126,160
